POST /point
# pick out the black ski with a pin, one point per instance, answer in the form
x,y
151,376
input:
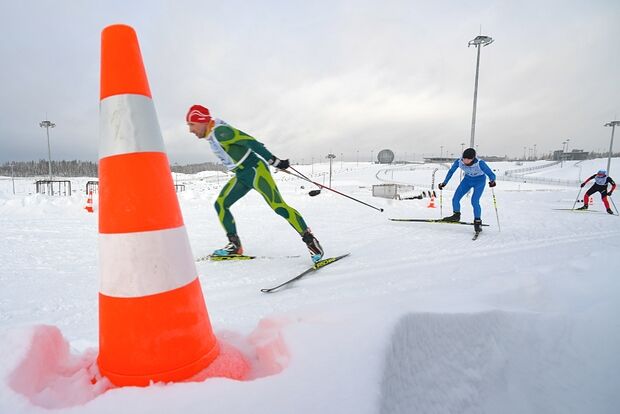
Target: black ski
x,y
318,265
213,258
583,211
435,221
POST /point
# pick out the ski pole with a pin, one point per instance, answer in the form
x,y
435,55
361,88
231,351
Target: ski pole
x,y
311,193
577,199
612,202
495,205
303,177
441,202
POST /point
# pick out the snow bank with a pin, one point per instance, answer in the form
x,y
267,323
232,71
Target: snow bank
x,y
40,366
492,362
47,373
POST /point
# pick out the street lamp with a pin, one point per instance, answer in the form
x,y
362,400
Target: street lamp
x,y
562,155
13,175
47,125
331,157
613,125
441,153
477,42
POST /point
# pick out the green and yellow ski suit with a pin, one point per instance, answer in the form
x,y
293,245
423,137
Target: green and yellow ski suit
x,y
239,152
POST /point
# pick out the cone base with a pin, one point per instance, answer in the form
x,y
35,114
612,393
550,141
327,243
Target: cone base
x,y
160,337
176,375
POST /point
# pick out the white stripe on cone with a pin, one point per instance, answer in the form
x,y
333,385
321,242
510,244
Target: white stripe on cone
x,y
145,263
128,123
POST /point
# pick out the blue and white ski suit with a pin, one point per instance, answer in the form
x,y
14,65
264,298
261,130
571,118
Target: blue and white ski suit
x,y
474,177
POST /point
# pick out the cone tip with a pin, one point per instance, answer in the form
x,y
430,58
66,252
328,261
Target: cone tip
x,y
122,70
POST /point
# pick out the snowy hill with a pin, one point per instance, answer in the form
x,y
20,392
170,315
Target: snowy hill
x,y
419,318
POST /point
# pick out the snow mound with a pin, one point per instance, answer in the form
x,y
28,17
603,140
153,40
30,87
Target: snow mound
x,y
491,362
49,375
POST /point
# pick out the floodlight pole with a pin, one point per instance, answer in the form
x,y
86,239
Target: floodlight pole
x,y
13,175
611,124
477,42
47,125
331,157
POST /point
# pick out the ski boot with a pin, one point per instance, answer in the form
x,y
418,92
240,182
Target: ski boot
x,y
232,248
453,218
610,211
477,225
316,251
584,207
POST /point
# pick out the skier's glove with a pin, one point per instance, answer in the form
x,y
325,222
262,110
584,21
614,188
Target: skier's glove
x,y
278,163
441,186
492,183
609,193
582,185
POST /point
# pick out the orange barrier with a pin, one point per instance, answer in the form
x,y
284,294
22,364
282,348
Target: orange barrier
x,y
89,202
153,321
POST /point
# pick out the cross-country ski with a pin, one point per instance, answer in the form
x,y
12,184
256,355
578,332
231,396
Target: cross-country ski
x,y
440,221
317,266
240,257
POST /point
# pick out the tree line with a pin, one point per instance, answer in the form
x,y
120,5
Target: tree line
x,y
77,168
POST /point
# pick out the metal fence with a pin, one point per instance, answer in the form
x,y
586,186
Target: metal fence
x,y
539,180
527,169
53,187
519,175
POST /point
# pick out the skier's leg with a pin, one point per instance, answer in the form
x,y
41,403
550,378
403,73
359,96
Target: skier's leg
x,y
232,191
475,198
586,198
461,190
605,200
263,183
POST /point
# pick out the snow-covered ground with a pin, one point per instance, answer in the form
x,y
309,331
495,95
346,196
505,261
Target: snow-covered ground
x,y
418,319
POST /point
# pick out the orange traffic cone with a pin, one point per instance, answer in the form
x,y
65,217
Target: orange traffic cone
x,y
89,202
431,203
153,322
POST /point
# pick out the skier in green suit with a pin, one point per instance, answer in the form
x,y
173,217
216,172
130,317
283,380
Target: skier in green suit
x,y
247,158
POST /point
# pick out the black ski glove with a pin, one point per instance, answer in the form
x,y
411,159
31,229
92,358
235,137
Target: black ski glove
x,y
582,185
492,183
278,163
609,193
441,186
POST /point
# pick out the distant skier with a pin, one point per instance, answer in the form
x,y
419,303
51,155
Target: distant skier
x,y
474,171
601,181
245,156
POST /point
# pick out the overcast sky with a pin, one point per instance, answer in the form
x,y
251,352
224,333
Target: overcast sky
x,y
311,77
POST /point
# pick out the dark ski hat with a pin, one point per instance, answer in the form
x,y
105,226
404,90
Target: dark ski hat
x,y
469,153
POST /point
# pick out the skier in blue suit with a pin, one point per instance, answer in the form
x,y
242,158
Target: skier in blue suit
x,y
474,171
